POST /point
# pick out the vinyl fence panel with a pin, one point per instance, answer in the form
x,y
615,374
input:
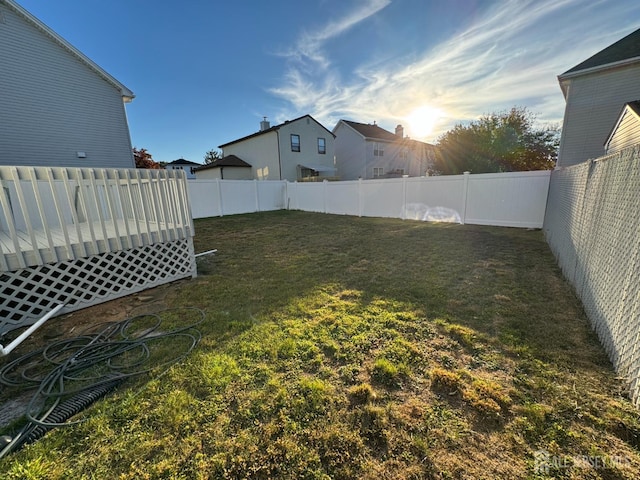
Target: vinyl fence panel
x,y
512,200
435,198
383,198
270,195
342,198
505,199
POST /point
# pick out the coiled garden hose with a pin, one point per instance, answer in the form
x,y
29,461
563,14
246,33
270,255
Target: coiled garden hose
x,y
71,374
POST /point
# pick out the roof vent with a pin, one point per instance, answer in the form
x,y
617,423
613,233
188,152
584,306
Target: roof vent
x,y
264,124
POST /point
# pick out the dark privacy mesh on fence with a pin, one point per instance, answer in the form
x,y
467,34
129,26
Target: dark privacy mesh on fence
x,y
592,224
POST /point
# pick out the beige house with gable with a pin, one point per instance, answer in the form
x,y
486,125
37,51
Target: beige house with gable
x,y
296,150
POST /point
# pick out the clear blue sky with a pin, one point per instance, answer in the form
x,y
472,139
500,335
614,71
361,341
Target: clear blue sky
x,y
205,72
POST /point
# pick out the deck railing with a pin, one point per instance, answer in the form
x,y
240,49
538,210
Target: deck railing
x,y
49,215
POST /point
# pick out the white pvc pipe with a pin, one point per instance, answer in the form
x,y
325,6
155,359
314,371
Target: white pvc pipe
x,y
208,252
7,350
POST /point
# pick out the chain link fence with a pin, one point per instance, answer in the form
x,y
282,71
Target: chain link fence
x,y
592,224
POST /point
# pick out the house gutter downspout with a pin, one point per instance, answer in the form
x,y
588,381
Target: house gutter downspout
x,y
4,351
279,160
364,161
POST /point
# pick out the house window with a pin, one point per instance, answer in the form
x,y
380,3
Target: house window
x,y
322,146
404,154
378,172
378,150
295,143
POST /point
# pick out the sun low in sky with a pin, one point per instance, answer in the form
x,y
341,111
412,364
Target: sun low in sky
x,y
422,120
427,65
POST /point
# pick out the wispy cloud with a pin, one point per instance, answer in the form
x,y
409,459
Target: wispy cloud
x,y
310,45
510,55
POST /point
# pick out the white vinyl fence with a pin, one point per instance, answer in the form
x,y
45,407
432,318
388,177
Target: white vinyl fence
x,y
216,198
593,227
515,199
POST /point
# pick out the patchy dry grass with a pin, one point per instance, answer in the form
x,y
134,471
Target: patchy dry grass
x,y
339,347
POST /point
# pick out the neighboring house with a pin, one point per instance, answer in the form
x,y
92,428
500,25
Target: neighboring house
x,y
225,168
296,150
57,107
367,151
187,166
595,92
626,131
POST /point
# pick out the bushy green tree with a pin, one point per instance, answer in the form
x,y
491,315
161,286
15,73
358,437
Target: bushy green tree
x,y
498,142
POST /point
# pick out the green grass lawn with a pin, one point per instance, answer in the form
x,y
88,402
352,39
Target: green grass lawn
x,y
342,347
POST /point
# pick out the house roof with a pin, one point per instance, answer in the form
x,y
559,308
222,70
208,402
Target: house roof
x,y
625,50
227,161
127,95
273,129
374,132
182,161
635,106
368,130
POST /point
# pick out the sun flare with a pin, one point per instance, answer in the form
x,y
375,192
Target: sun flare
x,y
422,120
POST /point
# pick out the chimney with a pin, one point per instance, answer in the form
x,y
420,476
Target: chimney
x,y
264,124
399,131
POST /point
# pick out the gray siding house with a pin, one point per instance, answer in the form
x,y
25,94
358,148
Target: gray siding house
x,y
57,107
595,91
368,151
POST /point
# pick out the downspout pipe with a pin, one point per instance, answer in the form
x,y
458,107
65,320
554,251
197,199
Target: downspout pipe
x,y
4,351
279,159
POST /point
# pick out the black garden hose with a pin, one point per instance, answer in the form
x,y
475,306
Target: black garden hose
x,y
71,374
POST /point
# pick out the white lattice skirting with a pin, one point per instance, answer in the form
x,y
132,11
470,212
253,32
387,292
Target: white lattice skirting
x,y
29,293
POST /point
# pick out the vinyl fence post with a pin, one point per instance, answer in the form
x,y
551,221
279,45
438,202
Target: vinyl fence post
x,y
465,189
286,194
257,195
404,198
324,195
219,188
360,197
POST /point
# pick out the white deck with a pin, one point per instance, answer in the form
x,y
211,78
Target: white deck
x,y
84,236
50,215
81,240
